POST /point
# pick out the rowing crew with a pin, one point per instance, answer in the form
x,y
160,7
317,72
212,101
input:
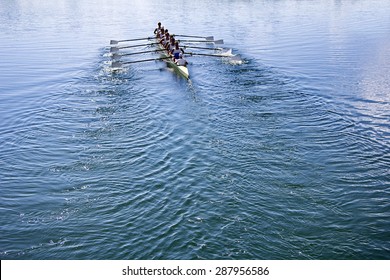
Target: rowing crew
x,y
170,44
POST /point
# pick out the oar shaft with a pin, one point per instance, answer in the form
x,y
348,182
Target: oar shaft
x,y
114,42
210,38
134,46
118,56
204,41
143,60
203,48
117,64
205,54
114,49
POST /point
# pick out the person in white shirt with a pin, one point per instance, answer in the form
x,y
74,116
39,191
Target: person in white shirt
x,y
165,40
157,30
171,45
177,51
181,61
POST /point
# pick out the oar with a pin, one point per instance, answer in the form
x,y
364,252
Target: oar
x,y
114,42
117,64
115,49
236,57
193,47
209,38
118,56
204,41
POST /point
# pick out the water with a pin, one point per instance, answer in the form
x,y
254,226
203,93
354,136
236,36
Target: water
x,y
283,157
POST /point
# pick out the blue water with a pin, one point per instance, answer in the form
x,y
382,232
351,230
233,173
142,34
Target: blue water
x,y
286,156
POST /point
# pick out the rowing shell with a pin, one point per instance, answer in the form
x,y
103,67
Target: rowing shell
x,y
181,70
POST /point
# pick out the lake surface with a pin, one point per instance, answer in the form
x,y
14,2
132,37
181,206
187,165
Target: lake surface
x,y
286,156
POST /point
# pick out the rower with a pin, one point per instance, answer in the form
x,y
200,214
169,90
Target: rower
x,y
161,33
165,40
157,30
177,51
171,45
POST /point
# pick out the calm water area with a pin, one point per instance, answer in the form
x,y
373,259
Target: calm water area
x,y
285,156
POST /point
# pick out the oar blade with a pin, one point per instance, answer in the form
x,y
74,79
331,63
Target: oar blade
x,y
116,64
227,53
114,49
210,38
219,42
236,60
116,56
114,42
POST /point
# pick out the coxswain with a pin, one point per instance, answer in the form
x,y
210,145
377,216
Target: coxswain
x,y
181,61
157,30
